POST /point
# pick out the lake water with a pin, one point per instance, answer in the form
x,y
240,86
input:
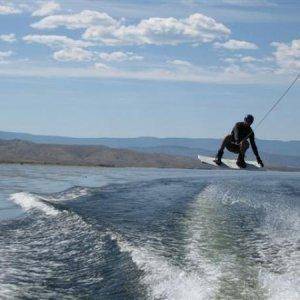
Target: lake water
x,y
94,233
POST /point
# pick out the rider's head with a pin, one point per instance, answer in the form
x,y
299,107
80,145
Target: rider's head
x,y
249,120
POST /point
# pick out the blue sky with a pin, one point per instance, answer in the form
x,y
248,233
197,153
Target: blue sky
x,y
181,68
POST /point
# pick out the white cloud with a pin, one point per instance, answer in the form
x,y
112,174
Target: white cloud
x,y
119,56
84,19
242,59
9,10
9,38
101,66
248,59
72,50
242,3
230,60
287,56
196,29
250,64
178,62
46,9
236,45
56,41
5,54
249,3
230,75
73,54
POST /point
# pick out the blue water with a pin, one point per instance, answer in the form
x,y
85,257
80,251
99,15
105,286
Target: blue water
x,y
94,233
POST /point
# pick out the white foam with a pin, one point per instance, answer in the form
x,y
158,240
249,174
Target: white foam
x,y
28,202
201,228
282,286
164,279
70,194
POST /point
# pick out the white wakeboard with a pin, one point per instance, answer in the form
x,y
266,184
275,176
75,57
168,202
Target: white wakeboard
x,y
229,163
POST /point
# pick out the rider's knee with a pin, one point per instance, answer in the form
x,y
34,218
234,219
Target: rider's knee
x,y
245,145
227,138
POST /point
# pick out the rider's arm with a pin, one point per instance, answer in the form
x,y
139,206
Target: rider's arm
x,y
254,148
253,145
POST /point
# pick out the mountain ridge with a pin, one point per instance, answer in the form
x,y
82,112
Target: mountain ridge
x,y
19,151
290,148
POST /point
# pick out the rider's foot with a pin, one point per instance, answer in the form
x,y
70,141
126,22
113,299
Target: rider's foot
x,y
217,161
241,164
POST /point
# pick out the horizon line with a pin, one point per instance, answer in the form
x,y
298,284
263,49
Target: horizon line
x,y
135,137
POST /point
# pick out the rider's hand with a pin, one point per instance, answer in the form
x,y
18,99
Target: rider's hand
x,y
260,162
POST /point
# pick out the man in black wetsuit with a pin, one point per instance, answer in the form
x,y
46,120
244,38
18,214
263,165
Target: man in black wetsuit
x,y
236,142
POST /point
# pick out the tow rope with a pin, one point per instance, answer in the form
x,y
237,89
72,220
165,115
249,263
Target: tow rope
x,y
274,105
277,102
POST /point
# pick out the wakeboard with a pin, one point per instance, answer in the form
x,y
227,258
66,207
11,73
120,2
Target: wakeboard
x,y
229,164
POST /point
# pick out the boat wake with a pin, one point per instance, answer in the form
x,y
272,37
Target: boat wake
x,y
160,239
33,202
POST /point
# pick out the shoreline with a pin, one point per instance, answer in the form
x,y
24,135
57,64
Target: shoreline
x,y
100,165
206,168
23,152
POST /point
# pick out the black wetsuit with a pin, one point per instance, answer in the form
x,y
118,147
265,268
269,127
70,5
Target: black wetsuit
x,y
240,131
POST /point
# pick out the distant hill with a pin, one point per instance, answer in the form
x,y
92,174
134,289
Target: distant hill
x,y
18,151
275,153
274,160
289,148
